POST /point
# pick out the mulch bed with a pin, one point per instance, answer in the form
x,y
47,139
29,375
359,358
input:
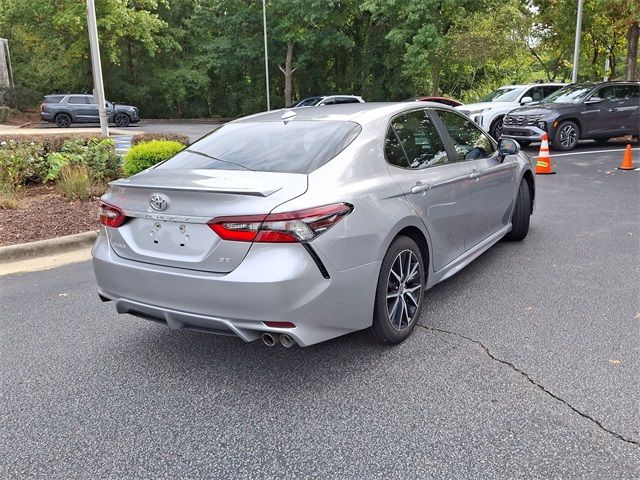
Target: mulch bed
x,y
43,214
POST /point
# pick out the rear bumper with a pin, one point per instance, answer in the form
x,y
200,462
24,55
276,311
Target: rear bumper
x,y
273,283
46,116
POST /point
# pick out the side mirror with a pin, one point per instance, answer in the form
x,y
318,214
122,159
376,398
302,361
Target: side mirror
x,y
593,100
506,146
525,100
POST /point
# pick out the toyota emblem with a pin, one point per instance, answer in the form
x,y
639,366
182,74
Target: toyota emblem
x,y
158,202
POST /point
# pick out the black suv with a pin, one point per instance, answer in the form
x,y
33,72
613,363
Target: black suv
x,y
582,110
64,110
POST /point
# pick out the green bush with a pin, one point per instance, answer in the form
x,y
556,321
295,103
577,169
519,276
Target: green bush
x,y
22,163
25,162
147,137
4,114
144,155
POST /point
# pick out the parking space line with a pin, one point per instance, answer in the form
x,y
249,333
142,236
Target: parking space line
x,y
587,153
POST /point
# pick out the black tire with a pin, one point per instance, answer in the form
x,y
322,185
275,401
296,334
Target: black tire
x,y
395,326
63,120
122,120
566,136
521,214
496,128
601,140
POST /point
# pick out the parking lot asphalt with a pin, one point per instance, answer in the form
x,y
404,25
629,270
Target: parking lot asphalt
x,y
525,365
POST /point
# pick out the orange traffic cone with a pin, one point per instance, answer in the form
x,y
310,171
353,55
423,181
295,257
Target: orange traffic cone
x,y
627,162
543,165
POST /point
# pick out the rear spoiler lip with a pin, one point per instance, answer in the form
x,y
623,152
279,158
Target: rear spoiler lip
x,y
238,191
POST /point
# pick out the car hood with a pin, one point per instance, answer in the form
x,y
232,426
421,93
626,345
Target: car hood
x,y
123,106
543,109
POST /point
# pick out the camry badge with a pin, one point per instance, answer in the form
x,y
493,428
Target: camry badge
x,y
158,202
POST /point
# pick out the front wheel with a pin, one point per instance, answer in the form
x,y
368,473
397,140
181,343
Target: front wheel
x,y
399,293
496,128
521,214
566,136
122,120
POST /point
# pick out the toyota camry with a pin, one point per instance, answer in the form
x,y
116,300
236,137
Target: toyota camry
x,y
297,226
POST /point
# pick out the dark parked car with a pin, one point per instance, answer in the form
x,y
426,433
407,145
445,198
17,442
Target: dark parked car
x,y
66,109
583,110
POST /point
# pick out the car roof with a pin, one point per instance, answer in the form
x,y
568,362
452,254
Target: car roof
x,y
355,112
523,85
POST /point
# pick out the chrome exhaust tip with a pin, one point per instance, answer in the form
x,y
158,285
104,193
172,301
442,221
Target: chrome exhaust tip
x,y
269,339
286,341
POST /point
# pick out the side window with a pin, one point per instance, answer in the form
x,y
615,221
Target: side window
x,y
77,100
346,100
549,89
628,92
470,142
606,93
413,142
535,92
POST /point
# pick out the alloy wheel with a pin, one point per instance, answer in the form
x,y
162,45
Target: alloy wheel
x,y
568,136
403,290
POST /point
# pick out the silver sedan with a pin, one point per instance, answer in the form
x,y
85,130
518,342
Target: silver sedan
x,y
297,226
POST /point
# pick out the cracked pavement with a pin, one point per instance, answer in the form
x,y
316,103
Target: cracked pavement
x,y
525,366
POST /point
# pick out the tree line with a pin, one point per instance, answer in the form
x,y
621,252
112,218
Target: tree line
x,y
204,58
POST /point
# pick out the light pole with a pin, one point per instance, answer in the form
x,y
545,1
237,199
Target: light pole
x,y
576,48
266,53
98,88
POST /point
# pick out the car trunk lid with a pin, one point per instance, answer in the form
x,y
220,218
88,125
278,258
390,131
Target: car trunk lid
x,y
168,212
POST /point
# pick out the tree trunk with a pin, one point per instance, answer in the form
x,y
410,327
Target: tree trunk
x,y
632,51
435,78
288,74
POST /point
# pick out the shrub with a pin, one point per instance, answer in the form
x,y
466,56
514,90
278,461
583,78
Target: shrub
x,y
74,182
22,163
147,137
9,196
4,114
144,155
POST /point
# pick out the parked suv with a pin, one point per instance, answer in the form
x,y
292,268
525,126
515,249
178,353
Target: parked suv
x,y
63,110
326,100
490,111
583,110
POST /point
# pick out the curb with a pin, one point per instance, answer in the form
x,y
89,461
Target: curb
x,y
43,248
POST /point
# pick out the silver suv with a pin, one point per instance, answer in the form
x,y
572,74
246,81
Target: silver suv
x,y
63,110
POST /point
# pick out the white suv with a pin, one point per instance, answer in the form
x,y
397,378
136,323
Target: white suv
x,y
490,112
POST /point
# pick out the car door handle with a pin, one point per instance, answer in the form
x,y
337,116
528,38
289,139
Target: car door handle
x,y
613,109
420,188
474,175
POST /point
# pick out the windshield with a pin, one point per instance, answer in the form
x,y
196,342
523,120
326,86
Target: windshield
x,y
569,94
293,147
507,94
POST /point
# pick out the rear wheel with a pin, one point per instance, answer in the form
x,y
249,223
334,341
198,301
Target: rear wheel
x,y
521,214
399,293
566,136
63,120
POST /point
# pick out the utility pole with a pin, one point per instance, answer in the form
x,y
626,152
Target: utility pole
x,y
96,66
576,48
266,53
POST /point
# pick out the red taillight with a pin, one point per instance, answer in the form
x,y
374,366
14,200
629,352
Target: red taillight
x,y
42,107
111,216
280,324
287,227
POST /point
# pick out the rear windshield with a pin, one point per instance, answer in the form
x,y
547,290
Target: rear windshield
x,y
293,147
53,98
